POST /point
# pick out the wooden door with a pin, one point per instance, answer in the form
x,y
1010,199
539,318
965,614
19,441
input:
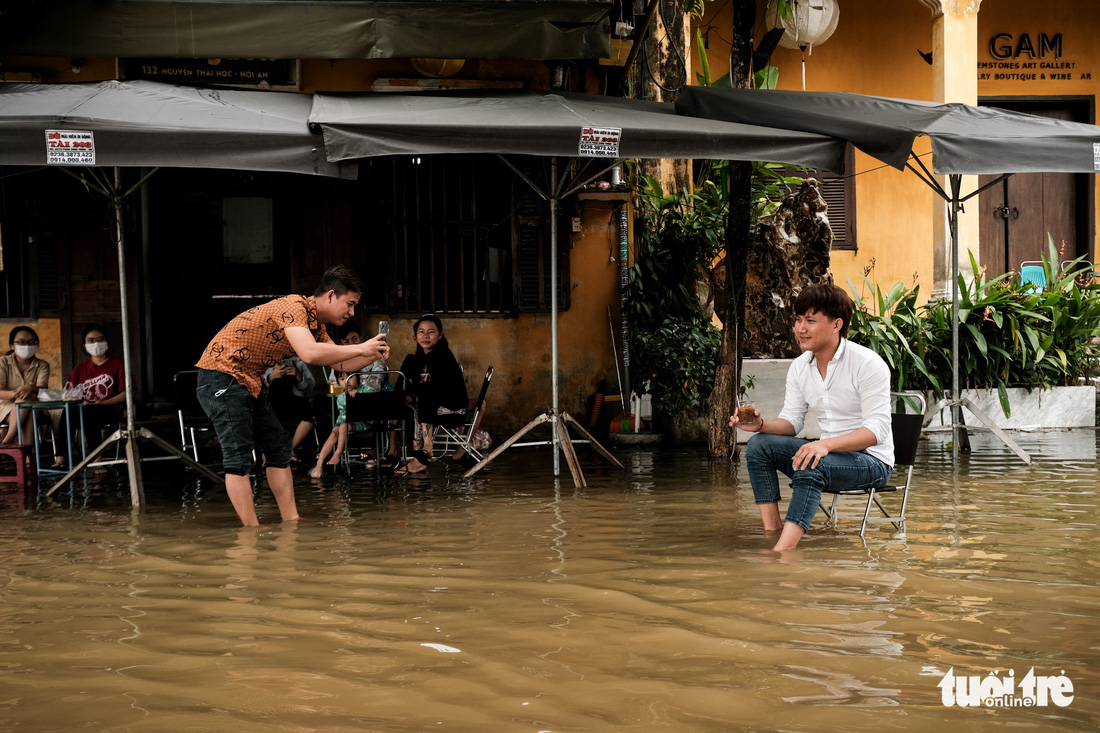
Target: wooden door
x,y
1017,214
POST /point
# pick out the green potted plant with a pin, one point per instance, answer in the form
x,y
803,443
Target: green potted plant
x,y
1013,337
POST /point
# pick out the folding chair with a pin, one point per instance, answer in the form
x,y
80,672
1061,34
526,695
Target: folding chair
x,y
906,426
1083,271
379,410
450,439
1032,273
192,417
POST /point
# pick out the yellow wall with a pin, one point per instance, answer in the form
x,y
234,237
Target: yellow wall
x,y
874,51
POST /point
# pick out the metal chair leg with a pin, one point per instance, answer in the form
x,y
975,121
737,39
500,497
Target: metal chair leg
x,y
873,497
867,510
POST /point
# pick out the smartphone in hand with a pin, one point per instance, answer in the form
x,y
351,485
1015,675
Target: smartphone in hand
x,y
383,329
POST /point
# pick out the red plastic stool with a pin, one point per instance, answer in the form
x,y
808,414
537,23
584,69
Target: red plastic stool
x,y
24,469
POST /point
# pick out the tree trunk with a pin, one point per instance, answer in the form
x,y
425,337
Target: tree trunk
x,y
660,65
727,379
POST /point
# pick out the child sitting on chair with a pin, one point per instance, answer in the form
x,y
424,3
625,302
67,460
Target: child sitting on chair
x,y
338,438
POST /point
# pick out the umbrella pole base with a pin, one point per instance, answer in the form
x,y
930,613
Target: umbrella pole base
x,y
564,440
984,419
960,426
130,440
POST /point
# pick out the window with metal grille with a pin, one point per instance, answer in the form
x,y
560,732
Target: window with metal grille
x,y
468,237
531,234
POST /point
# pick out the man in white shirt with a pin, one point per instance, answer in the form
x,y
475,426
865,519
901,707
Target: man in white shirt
x,y
848,387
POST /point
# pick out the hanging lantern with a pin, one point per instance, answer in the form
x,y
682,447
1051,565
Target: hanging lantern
x,y
813,22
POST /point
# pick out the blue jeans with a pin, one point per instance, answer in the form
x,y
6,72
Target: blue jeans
x,y
242,422
767,454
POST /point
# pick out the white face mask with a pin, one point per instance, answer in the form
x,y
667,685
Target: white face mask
x,y
97,349
25,352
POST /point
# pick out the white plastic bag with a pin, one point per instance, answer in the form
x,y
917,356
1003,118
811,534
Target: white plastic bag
x,y
49,394
72,392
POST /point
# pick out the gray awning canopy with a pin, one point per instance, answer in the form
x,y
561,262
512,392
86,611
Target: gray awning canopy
x,y
150,124
965,139
309,29
548,124
145,123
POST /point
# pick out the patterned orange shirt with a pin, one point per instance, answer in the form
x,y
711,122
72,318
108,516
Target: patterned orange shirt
x,y
254,341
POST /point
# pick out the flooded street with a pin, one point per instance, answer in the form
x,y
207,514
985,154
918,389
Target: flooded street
x,y
512,602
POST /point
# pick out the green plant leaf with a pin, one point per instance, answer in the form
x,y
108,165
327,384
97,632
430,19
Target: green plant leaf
x,y
766,78
979,339
704,63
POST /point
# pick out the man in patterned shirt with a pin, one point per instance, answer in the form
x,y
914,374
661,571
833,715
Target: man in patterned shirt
x,y
231,389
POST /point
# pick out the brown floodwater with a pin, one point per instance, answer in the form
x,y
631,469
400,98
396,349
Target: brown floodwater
x,y
513,602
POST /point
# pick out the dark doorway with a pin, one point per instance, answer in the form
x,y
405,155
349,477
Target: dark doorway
x,y
1017,214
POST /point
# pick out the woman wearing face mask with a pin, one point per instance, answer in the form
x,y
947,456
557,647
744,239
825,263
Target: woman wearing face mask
x,y
102,378
22,374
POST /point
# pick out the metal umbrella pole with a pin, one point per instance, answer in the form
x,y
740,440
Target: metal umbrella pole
x,y
958,430
133,461
554,316
559,439
956,401
956,409
129,434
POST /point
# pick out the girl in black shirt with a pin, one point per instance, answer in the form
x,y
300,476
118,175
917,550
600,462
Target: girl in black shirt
x,y
435,379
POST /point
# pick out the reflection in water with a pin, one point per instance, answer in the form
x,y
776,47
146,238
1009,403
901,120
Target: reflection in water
x,y
515,602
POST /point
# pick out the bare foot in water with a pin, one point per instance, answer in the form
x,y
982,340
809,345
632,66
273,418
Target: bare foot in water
x,y
413,466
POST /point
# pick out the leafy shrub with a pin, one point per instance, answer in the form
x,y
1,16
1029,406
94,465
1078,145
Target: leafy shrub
x,y
674,345
1011,334
678,361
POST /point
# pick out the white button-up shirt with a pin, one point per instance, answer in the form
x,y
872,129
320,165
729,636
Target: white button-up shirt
x,y
855,393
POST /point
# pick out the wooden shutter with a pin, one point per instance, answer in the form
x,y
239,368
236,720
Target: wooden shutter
x,y
840,194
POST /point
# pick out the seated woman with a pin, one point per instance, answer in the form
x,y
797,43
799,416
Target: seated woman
x,y
102,378
22,374
435,380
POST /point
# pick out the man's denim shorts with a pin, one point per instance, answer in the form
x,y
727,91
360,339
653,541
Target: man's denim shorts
x,y
242,423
